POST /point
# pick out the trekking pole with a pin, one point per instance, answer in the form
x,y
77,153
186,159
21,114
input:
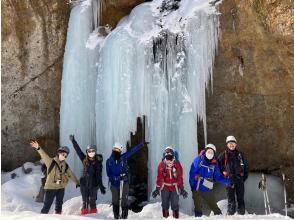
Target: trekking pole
x,y
285,193
267,200
266,194
262,186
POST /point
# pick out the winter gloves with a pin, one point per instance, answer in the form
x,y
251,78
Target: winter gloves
x,y
156,192
102,189
183,192
123,177
71,137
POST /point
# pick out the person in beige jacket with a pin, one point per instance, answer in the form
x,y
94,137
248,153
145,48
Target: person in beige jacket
x,y
58,173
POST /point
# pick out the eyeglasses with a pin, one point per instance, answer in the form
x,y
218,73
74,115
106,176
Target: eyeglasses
x,y
91,151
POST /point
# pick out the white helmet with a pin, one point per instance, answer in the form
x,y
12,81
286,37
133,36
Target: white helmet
x,y
117,147
211,146
231,139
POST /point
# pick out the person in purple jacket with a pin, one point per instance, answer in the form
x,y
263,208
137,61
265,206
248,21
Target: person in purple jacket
x,y
203,173
117,172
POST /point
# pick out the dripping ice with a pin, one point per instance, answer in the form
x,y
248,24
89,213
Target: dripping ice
x,y
153,64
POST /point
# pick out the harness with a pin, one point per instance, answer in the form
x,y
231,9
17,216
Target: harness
x,y
226,172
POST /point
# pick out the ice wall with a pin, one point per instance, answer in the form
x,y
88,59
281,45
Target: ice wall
x,y
157,63
77,111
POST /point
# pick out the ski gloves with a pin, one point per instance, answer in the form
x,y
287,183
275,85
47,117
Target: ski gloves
x,y
71,137
183,192
102,190
156,192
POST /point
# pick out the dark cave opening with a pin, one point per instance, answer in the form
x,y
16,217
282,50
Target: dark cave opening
x,y
138,169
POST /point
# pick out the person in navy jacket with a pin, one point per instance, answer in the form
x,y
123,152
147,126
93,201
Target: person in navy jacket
x,y
117,172
91,179
203,173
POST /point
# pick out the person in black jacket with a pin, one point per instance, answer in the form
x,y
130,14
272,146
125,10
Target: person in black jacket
x,y
234,165
91,179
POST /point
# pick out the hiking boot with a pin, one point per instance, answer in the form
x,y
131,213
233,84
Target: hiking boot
x,y
84,211
165,213
93,210
198,214
176,213
115,209
124,214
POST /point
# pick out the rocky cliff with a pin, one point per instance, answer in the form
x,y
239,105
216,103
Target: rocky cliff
x,y
33,39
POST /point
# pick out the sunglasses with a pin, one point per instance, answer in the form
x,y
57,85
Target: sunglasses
x,y
91,151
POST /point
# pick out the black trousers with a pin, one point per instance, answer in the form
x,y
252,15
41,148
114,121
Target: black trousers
x,y
232,193
89,196
169,198
50,194
116,194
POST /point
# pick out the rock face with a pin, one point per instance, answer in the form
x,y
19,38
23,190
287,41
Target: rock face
x,y
33,38
253,88
114,10
253,83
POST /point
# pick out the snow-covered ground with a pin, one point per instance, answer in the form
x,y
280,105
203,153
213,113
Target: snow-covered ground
x,y
18,194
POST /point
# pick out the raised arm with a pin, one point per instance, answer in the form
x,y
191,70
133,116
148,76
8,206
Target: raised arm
x,y
47,160
77,147
132,151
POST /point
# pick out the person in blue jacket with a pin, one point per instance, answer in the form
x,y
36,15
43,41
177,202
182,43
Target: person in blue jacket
x,y
203,173
117,172
91,179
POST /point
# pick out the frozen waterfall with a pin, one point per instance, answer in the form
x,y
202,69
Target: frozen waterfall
x,y
158,63
77,111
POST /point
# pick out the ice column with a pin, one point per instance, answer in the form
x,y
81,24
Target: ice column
x,y
158,66
77,111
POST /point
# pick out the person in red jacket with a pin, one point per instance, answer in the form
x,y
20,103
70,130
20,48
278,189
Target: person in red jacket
x,y
170,183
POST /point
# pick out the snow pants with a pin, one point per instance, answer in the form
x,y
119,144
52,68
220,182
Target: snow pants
x,y
237,191
124,201
116,193
50,194
209,198
89,196
169,198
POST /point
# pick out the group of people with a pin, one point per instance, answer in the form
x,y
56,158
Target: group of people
x,y
229,168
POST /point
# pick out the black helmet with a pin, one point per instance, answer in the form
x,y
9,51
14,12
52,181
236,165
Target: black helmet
x,y
63,149
91,147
